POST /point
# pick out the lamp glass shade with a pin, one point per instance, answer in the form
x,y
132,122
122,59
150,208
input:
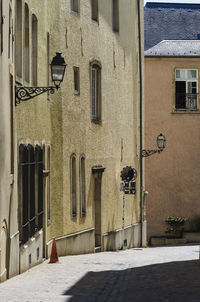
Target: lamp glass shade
x,y
57,73
58,66
161,141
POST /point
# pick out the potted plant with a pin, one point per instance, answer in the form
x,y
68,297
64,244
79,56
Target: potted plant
x,y
175,226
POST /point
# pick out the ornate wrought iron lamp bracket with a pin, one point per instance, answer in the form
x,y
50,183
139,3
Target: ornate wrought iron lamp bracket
x,y
146,153
23,94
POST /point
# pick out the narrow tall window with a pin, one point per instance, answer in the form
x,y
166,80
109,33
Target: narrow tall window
x,y
186,89
39,165
76,81
26,45
115,11
48,186
34,50
95,10
95,92
10,32
75,6
73,185
18,51
11,127
31,186
48,62
31,190
82,186
1,24
24,200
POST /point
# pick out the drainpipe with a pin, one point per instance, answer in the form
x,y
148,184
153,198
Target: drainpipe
x,y
141,121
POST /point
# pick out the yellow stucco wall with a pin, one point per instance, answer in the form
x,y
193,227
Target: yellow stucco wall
x,y
101,144
64,120
172,178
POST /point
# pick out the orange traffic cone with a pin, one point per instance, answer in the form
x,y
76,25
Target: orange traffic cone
x,y
54,254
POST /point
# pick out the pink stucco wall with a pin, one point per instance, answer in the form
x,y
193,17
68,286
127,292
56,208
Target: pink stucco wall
x,y
173,177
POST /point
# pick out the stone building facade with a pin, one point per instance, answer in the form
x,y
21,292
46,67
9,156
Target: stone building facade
x,y
9,259
69,147
96,139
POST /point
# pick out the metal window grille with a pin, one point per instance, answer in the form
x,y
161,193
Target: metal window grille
x,y
31,163
31,186
40,186
25,212
188,101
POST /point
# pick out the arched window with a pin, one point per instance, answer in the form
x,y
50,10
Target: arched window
x,y
73,185
95,91
19,39
82,186
26,45
34,50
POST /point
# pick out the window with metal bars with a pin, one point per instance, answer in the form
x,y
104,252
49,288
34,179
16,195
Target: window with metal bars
x,y
31,190
186,89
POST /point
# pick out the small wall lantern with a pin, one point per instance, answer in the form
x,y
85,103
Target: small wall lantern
x,y
161,143
58,67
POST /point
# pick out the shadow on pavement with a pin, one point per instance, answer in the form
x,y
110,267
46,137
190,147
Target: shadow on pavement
x,y
172,282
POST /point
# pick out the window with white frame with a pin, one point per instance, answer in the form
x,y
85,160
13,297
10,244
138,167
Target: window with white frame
x,y
75,6
186,89
95,92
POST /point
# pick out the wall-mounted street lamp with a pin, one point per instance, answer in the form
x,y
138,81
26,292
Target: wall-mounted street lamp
x,y
161,143
58,67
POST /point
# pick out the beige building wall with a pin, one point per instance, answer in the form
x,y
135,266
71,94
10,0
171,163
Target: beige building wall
x,y
9,235
34,117
63,121
112,144
172,178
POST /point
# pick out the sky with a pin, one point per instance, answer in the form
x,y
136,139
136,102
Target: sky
x,y
174,1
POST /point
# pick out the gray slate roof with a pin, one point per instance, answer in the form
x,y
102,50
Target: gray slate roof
x,y
175,48
170,22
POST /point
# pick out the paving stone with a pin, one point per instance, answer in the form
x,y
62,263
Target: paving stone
x,y
165,274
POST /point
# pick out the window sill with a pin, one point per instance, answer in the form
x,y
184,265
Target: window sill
x,y
116,32
76,93
186,111
18,81
95,21
76,14
96,121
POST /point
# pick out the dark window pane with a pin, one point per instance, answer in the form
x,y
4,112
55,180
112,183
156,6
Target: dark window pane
x,y
32,189
40,187
180,95
24,178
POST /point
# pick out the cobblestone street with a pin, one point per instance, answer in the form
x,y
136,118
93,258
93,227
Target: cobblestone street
x,y
139,275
